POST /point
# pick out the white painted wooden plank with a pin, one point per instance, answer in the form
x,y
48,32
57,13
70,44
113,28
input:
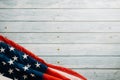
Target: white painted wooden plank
x,y
59,26
101,74
60,15
60,4
84,62
73,49
64,37
95,74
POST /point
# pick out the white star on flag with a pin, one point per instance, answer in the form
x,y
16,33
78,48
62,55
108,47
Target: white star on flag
x,y
2,50
28,65
3,63
37,64
25,56
10,71
17,69
12,49
15,79
32,75
15,58
10,62
25,68
24,76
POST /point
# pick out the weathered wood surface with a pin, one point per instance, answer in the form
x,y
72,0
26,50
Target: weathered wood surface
x,y
59,3
60,27
64,37
101,74
80,34
60,15
74,49
84,62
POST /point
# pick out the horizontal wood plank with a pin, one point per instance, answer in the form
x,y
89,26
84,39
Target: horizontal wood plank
x,y
84,62
73,38
60,4
100,74
73,49
59,15
59,26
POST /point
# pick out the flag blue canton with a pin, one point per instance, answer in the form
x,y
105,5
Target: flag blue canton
x,y
18,65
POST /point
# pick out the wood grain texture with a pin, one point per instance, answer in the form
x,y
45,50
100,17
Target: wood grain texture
x,y
84,62
74,49
60,4
83,35
59,27
59,15
73,38
101,74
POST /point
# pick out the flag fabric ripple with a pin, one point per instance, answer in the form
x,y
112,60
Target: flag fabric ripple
x,y
18,63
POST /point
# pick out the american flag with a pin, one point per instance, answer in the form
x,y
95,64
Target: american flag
x,y
18,63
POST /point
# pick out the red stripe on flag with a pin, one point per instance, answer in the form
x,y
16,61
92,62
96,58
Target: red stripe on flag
x,y
69,71
49,77
53,73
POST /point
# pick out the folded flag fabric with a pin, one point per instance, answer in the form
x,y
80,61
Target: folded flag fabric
x,y
18,63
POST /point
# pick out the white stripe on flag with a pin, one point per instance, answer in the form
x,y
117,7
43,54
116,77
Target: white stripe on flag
x,y
71,77
4,78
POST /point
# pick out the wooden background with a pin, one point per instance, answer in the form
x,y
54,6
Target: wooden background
x,y
83,35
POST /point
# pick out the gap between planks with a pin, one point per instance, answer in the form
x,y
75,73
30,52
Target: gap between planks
x,y
59,20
